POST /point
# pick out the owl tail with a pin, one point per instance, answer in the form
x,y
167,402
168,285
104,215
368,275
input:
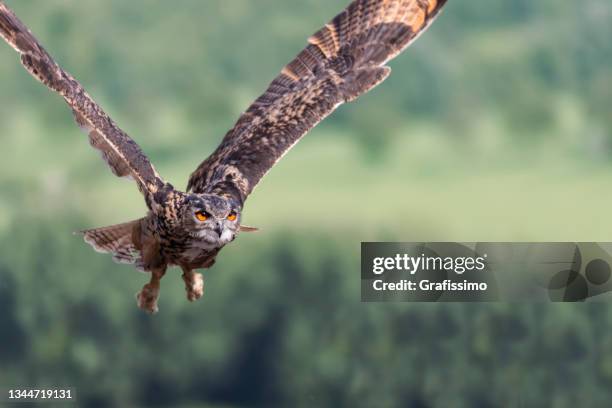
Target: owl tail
x,y
118,240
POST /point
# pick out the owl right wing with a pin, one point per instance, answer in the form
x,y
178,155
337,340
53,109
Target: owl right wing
x,y
343,60
122,154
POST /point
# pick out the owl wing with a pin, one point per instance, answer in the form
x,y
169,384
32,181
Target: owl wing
x,y
342,61
123,155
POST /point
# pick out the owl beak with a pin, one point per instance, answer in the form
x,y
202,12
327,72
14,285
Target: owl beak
x,y
219,229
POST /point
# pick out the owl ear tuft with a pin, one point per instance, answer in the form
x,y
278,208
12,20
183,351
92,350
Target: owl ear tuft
x,y
244,228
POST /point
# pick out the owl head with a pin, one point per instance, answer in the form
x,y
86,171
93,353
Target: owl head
x,y
212,219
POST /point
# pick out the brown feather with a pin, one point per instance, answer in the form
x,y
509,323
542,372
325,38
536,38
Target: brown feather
x,y
117,240
120,152
342,61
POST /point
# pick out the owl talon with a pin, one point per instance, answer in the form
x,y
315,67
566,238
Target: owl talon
x,y
147,298
194,285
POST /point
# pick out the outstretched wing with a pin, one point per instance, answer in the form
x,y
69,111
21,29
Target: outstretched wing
x,y
122,154
342,61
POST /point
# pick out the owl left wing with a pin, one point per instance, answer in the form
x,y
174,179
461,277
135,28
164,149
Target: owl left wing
x,y
342,61
121,153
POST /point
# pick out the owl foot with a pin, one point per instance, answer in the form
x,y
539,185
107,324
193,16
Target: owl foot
x,y
147,298
194,285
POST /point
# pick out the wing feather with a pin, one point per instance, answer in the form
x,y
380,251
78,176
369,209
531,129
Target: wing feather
x,y
121,153
343,60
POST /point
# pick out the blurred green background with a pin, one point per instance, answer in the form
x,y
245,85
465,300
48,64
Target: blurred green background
x,y
495,125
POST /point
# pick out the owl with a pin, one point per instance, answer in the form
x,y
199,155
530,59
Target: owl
x,y
343,60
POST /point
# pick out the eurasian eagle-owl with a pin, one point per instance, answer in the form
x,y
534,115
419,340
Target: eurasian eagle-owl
x,y
343,60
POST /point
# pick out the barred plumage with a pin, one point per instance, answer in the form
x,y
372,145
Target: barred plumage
x,y
343,60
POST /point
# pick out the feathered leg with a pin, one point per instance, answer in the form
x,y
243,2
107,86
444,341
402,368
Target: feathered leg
x,y
147,297
194,284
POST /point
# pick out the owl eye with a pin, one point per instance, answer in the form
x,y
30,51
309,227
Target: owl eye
x,y
232,216
201,215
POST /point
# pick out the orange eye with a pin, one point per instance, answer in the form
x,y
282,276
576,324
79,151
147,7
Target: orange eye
x,y
201,216
232,216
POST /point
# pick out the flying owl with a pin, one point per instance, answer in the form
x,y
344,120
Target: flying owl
x,y
343,60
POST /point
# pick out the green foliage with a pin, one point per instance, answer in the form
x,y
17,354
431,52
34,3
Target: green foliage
x,y
495,125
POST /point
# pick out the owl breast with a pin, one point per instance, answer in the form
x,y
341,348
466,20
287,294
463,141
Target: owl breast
x,y
198,254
